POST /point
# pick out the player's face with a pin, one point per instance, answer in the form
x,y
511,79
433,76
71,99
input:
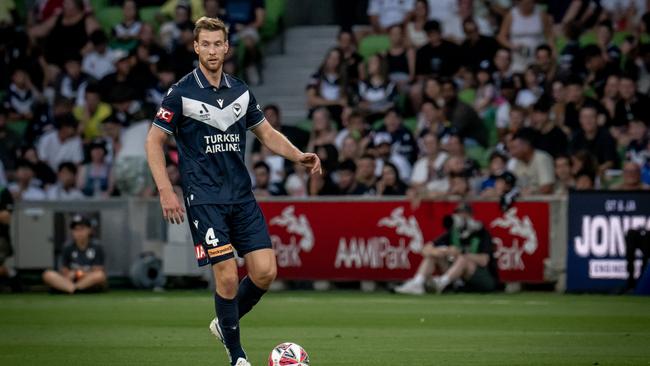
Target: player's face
x,y
211,46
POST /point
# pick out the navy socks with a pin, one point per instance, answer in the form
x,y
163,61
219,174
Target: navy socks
x,y
248,295
228,314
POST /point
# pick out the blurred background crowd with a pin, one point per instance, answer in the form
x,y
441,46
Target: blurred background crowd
x,y
429,99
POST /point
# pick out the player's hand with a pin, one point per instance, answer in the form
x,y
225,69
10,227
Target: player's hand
x,y
311,161
173,212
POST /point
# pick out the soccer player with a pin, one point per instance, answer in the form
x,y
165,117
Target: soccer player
x,y
208,112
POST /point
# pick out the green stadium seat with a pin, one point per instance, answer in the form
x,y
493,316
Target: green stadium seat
x,y
373,44
478,153
108,17
467,96
18,127
305,125
411,123
148,15
275,10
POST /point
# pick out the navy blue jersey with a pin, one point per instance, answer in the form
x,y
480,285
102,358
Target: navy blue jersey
x,y
75,258
209,125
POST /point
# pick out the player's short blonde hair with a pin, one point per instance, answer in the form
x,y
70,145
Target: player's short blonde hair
x,y
210,25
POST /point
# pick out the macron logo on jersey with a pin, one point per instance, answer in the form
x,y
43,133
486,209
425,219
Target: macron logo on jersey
x,y
165,115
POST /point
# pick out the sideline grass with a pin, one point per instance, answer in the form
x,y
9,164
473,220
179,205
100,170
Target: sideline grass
x,y
337,328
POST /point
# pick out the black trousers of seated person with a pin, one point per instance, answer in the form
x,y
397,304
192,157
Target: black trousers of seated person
x,y
636,239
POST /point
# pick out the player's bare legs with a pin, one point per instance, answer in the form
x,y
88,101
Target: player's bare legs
x,y
90,280
432,258
58,281
261,267
226,278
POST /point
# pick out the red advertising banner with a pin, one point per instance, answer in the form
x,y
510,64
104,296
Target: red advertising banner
x,y
381,241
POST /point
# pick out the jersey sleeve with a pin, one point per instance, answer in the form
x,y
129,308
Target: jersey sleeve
x,y
254,114
170,111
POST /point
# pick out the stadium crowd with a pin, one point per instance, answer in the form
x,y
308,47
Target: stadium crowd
x,y
438,98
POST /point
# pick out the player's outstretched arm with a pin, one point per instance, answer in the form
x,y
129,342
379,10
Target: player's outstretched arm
x,y
279,144
172,209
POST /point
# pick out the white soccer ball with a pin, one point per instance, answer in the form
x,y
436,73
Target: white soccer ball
x,y
288,354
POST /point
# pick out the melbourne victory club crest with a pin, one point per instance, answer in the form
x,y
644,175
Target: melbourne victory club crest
x,y
236,108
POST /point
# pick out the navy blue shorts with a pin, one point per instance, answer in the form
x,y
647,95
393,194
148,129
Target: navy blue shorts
x,y
219,230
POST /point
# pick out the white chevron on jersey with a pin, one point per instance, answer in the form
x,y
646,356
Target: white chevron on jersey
x,y
221,119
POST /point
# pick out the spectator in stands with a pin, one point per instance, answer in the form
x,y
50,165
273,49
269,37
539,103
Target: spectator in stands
x,y
532,167
297,136
632,104
595,139
66,33
21,96
6,250
82,262
525,28
551,138
165,77
65,188
26,187
631,178
45,117
43,174
296,183
604,39
637,137
322,131
366,168
95,178
546,64
383,13
464,251
505,105
389,182
346,180
129,28
183,56
92,113
576,101
327,87
9,143
563,178
400,59
170,32
352,60
532,90
112,136
245,18
354,126
438,57
496,166
402,141
598,68
476,49
463,118
62,144
376,92
445,12
454,145
147,38
350,149
98,62
430,166
486,93
415,33
213,9
557,98
610,96
432,119
585,181
72,82
263,185
127,107
502,72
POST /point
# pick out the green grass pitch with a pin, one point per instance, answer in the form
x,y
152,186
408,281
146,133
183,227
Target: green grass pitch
x,y
336,328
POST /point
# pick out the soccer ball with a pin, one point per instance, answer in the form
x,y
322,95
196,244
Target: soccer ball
x,y
288,354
